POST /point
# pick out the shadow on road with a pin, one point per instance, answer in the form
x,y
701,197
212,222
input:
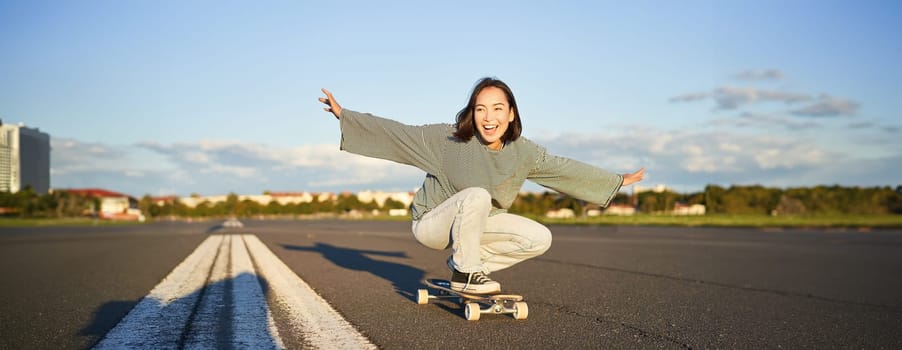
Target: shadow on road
x,y
405,278
150,322
106,317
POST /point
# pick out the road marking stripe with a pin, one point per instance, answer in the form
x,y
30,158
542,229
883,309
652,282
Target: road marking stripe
x,y
214,299
159,319
232,311
204,325
322,327
254,327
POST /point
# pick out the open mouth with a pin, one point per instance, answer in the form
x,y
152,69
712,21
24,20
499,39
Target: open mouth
x,y
489,130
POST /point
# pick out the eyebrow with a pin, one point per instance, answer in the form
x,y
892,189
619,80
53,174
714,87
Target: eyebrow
x,y
495,104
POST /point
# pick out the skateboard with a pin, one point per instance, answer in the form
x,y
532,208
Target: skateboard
x,y
473,303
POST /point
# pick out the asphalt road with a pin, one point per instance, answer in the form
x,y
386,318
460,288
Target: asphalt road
x,y
597,287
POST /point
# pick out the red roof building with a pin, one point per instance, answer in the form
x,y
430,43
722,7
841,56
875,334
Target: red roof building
x,y
113,205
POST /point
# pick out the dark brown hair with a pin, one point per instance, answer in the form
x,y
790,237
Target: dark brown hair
x,y
466,128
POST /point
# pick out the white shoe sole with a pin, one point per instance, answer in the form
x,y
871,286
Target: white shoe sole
x,y
476,289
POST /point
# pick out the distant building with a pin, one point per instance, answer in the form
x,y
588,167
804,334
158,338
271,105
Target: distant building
x,y
380,197
620,209
284,198
163,200
113,205
563,213
686,209
326,196
397,212
24,159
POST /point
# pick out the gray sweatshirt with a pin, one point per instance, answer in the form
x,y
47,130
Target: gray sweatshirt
x,y
452,165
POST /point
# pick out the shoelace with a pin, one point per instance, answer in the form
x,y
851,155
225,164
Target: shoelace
x,y
480,278
477,277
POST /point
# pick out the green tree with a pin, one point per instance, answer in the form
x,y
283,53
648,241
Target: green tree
x,y
346,202
393,204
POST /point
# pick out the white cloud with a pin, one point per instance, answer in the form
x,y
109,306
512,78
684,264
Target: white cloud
x,y
306,167
731,97
828,106
736,97
768,74
695,96
729,147
684,159
196,157
71,156
692,159
765,121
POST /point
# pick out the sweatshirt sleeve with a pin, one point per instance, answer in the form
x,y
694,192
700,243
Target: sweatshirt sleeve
x,y
372,136
575,178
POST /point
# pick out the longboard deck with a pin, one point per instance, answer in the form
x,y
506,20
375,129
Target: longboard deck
x,y
495,303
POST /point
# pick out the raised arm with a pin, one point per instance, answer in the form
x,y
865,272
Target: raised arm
x,y
372,136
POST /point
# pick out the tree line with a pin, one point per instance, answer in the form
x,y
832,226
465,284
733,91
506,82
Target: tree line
x,y
755,200
233,206
752,200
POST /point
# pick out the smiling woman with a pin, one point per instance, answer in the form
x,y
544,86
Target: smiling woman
x,y
493,109
472,181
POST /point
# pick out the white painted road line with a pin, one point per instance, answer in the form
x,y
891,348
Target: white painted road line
x,y
322,327
205,324
159,320
232,312
214,299
253,326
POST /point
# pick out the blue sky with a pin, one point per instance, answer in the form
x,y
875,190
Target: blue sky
x,y
180,97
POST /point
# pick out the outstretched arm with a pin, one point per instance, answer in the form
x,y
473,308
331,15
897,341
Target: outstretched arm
x,y
330,101
578,179
372,136
629,179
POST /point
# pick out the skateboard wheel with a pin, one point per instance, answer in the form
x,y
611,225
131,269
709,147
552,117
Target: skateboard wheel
x,y
520,310
422,296
472,311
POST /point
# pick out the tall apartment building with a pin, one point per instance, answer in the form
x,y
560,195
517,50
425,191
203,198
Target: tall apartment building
x,y
24,159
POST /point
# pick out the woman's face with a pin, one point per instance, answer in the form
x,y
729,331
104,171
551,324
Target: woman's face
x,y
492,116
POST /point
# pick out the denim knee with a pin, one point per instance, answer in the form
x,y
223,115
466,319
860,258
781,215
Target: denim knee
x,y
476,196
541,240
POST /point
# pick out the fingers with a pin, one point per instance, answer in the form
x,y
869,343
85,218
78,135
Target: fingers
x,y
329,100
629,179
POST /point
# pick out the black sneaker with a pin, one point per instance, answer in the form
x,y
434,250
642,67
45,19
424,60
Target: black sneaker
x,y
475,283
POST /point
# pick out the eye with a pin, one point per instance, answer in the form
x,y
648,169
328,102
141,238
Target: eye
x,y
497,108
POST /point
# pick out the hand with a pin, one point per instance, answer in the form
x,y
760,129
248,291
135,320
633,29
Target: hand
x,y
334,107
629,179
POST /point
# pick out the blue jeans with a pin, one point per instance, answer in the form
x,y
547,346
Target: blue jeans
x,y
479,242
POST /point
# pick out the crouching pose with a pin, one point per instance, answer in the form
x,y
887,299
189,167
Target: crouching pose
x,y
474,171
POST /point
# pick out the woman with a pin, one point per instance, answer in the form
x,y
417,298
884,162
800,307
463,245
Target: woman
x,y
474,170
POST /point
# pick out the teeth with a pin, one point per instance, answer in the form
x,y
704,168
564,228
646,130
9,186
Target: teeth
x,y
490,127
